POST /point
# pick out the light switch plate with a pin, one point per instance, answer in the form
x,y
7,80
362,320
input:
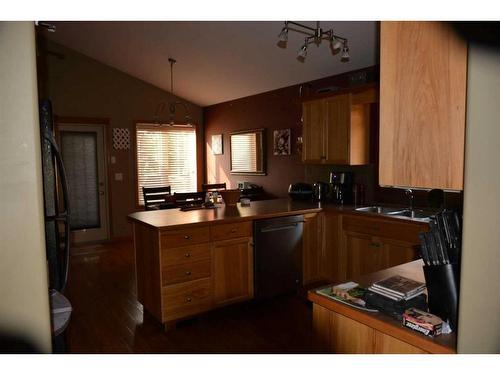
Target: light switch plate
x,y
118,176
113,159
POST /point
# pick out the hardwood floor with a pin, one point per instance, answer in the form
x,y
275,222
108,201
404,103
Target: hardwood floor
x,y
108,319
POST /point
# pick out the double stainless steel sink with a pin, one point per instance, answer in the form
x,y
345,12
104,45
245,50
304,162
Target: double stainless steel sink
x,y
405,213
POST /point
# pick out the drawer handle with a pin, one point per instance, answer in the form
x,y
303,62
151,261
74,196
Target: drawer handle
x,y
186,237
188,300
375,244
187,255
188,273
233,230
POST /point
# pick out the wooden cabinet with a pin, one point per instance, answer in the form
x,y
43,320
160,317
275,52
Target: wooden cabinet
x,y
233,270
340,334
372,244
336,129
332,267
385,344
423,69
312,247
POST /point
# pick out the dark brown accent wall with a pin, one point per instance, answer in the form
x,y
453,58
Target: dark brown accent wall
x,y
277,109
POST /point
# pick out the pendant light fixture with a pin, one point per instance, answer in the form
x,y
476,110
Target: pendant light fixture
x,y
172,106
316,36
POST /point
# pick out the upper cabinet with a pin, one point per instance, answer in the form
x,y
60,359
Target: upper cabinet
x,y
336,129
423,68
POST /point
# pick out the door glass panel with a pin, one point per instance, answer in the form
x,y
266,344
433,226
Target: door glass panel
x,y
79,153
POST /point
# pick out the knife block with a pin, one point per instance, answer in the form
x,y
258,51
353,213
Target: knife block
x,y
442,282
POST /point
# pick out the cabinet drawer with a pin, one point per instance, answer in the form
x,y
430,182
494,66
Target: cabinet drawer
x,y
232,230
185,254
185,272
402,231
184,237
181,300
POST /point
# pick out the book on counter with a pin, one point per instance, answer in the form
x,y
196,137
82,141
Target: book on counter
x,y
398,288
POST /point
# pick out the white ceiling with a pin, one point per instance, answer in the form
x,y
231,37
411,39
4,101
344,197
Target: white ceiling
x,y
216,61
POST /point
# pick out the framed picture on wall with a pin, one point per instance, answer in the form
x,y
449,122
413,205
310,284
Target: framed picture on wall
x,y
281,142
217,145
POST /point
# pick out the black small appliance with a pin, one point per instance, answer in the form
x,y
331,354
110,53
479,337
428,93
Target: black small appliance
x,y
300,191
321,191
341,187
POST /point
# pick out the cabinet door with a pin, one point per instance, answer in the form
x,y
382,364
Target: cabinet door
x,y
365,254
312,244
232,262
385,344
422,105
338,123
396,252
349,336
313,122
333,262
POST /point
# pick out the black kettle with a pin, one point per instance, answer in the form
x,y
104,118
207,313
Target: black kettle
x,y
320,191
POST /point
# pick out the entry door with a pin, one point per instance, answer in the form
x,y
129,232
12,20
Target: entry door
x,y
82,149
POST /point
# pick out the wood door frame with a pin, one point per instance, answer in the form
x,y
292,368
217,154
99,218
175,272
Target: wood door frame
x,y
105,122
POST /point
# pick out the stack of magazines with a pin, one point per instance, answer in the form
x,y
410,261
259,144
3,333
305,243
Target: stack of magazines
x,y
398,288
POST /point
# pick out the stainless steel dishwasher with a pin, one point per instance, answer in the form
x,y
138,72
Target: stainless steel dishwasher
x,y
278,255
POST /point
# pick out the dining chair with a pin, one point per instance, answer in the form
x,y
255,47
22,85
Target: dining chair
x,y
213,187
156,198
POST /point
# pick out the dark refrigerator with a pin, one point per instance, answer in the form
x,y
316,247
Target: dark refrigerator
x,y
57,226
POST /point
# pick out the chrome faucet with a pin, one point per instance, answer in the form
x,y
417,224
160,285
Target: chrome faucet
x,y
409,194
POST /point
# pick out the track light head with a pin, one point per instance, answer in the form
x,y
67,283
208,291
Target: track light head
x,y
344,57
283,35
302,54
283,38
335,43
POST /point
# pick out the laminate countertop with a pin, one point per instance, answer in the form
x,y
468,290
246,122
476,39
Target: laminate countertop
x,y
444,344
174,217
256,210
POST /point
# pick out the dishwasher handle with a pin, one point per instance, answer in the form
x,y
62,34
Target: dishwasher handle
x,y
275,228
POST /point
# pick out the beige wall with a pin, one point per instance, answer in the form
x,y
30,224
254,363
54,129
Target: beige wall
x,y
24,305
479,319
82,87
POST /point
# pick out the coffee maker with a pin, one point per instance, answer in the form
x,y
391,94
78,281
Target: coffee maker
x,y
341,187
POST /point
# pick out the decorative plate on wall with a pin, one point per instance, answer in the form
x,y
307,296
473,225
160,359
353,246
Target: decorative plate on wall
x,y
121,139
217,145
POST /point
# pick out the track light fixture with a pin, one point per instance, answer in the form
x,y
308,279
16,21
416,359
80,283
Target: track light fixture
x,y
172,105
316,36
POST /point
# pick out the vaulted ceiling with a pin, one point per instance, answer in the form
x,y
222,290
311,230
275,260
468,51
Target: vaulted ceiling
x,y
216,61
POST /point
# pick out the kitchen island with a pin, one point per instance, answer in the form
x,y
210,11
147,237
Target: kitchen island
x,y
188,262
345,329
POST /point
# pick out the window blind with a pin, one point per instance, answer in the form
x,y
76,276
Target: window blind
x,y
79,154
166,156
244,152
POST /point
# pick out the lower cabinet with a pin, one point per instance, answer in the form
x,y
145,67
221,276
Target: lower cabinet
x,y
312,247
385,344
232,262
340,334
373,244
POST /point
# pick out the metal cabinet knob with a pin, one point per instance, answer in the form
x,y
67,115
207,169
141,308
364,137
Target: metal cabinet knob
x,y
233,230
186,237
188,299
188,273
187,255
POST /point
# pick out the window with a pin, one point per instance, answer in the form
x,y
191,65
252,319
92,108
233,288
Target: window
x,y
247,152
166,156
